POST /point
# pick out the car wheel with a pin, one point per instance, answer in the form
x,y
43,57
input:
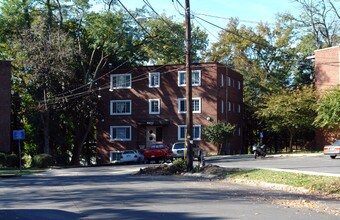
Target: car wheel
x,y
333,157
255,155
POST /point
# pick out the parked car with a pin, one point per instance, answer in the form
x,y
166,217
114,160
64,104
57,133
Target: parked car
x,y
178,150
332,150
128,156
157,152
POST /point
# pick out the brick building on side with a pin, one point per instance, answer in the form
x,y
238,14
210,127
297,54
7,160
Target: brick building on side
x,y
327,77
143,105
5,106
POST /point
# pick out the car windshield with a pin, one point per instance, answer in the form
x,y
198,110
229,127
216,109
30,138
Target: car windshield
x,y
178,146
336,143
156,146
129,152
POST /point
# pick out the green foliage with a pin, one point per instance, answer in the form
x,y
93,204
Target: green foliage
x,y
12,160
166,41
218,132
2,159
42,161
291,110
328,110
27,160
178,166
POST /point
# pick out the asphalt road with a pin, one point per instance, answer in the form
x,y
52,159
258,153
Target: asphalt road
x,y
105,193
306,163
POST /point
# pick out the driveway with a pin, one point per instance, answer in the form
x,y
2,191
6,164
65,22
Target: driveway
x,y
104,193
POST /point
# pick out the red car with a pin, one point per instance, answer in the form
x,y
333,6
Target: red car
x,y
157,152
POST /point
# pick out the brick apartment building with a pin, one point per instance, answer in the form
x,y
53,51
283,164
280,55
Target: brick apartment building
x,y
143,105
5,106
327,76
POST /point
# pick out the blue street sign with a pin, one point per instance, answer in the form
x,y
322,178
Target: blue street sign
x,y
18,134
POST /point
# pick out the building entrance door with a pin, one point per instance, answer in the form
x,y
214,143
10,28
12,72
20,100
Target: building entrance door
x,y
153,135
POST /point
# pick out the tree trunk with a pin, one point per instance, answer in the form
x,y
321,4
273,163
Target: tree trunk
x,y
45,118
80,135
291,141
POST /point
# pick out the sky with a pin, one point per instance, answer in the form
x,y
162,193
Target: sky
x,y
247,11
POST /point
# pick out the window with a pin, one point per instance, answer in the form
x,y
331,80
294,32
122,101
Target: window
x,y
196,132
239,131
120,81
196,105
229,81
120,107
222,106
120,133
154,80
222,80
238,85
239,108
196,78
229,107
154,106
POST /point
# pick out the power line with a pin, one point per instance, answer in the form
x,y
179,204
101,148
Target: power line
x,y
139,24
228,18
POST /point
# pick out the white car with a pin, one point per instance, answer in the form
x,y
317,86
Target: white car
x,y
178,150
332,150
127,156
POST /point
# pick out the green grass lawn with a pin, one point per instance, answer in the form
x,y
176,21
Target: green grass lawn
x,y
16,171
325,184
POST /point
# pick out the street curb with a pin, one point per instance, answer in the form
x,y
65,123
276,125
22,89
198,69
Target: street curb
x,y
9,175
268,155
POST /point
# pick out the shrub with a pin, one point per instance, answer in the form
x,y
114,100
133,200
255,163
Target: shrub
x,y
178,166
42,161
2,159
12,160
27,160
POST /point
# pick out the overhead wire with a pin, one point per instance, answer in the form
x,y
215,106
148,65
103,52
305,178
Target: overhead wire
x,y
57,98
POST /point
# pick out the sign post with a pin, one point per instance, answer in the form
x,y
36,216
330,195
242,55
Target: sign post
x,y
19,135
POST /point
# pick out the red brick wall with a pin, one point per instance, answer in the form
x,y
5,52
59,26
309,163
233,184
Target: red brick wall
x,y
5,106
327,71
210,93
327,76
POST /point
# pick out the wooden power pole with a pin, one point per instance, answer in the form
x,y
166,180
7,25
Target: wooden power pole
x,y
188,78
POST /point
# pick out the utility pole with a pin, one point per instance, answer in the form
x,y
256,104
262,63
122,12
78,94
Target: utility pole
x,y
188,78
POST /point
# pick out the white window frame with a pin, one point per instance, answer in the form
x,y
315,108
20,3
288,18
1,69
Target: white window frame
x,y
119,139
120,101
183,83
180,127
180,100
229,81
150,106
229,107
120,87
154,74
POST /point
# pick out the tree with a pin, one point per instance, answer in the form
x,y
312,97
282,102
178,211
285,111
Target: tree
x,y
47,57
264,56
321,18
290,110
165,41
328,110
217,133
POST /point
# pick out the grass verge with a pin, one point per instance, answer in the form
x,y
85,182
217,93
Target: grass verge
x,y
7,171
326,184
